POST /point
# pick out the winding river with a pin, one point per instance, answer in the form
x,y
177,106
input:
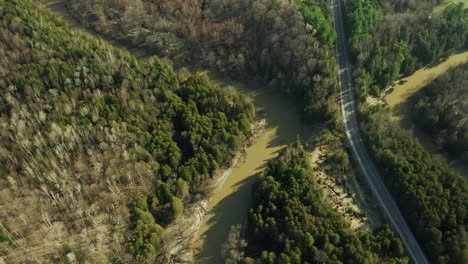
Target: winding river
x,y
400,103
230,204
397,99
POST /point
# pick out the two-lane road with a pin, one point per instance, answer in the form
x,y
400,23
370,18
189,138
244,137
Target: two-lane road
x,y
365,162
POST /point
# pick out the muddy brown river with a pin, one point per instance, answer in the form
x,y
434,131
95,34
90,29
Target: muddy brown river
x,y
400,106
231,202
410,85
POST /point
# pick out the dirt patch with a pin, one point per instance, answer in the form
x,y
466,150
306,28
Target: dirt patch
x,y
371,100
342,189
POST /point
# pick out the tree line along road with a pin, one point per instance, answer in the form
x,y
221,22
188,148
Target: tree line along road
x,y
366,165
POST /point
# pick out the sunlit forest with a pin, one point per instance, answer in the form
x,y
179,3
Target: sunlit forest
x,y
431,196
85,127
291,222
387,39
102,152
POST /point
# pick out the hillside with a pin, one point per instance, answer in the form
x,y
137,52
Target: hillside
x,y
100,151
103,154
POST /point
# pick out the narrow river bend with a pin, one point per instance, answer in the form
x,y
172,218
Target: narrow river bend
x,y
231,202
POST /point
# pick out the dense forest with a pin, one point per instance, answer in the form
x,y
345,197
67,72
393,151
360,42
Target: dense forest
x,y
291,222
389,38
99,150
432,197
286,44
441,109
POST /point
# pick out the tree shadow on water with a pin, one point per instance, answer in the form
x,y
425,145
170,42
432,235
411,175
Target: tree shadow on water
x,y
405,111
232,210
283,118
281,115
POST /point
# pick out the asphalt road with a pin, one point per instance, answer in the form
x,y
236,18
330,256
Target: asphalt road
x,y
365,162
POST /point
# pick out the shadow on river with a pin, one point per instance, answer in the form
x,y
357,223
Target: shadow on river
x,y
401,100
231,203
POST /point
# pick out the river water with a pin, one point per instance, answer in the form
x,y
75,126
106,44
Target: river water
x,y
401,106
410,85
230,204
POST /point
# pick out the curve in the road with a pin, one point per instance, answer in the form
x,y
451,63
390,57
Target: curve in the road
x,y
365,162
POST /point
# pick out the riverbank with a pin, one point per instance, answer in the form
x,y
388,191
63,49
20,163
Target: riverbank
x,y
234,182
180,236
208,218
231,203
399,101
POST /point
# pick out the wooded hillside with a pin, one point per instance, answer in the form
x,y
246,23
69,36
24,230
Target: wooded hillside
x,y
86,129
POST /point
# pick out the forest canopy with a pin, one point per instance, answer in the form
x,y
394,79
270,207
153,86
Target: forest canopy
x,y
441,109
389,38
288,45
432,197
85,127
291,222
